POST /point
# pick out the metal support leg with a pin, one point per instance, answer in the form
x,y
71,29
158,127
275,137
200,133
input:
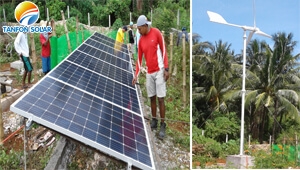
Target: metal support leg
x,y
129,166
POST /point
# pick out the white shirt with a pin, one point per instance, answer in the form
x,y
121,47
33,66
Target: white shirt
x,y
21,44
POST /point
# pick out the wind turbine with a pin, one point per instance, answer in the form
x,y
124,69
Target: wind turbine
x,y
214,17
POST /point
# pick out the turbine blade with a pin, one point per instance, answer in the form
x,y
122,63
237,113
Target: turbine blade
x,y
263,34
249,37
214,17
254,13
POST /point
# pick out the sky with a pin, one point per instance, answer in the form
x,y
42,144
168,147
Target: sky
x,y
272,16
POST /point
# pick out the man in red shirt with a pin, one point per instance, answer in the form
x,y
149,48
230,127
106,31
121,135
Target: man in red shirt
x,y
152,45
46,49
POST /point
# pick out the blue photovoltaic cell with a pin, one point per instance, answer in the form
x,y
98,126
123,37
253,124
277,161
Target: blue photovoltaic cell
x,y
90,95
97,84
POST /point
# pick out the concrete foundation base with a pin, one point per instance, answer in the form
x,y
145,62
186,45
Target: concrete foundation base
x,y
239,161
17,65
8,100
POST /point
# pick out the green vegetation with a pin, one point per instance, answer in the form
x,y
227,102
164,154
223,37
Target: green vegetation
x,y
9,159
272,94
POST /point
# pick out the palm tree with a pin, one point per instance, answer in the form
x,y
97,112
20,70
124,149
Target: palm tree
x,y
213,73
275,94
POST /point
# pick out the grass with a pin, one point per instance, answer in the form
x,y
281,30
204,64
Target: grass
x,y
176,114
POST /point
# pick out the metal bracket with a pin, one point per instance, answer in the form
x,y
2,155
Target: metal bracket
x,y
129,166
28,123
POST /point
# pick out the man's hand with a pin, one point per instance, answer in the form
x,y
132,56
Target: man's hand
x,y
166,75
134,80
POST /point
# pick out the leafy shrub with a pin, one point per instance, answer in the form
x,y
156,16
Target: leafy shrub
x,y
279,160
10,160
211,148
230,148
222,124
117,24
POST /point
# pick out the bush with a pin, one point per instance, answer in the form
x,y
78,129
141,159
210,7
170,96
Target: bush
x,y
230,148
277,160
117,24
10,160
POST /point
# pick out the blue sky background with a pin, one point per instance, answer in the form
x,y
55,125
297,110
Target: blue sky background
x,y
272,16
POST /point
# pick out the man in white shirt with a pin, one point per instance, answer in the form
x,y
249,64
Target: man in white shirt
x,y
22,48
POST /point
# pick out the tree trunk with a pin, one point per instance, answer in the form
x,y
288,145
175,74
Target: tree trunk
x,y
261,131
33,52
274,123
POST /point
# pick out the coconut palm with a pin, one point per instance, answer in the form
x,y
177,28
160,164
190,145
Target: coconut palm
x,y
212,76
276,93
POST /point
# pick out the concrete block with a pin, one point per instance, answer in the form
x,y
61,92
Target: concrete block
x,y
239,161
17,65
7,101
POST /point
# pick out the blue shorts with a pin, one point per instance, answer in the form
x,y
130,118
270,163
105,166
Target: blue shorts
x,y
27,64
46,64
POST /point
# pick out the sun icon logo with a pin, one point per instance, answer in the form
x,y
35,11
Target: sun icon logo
x,y
27,13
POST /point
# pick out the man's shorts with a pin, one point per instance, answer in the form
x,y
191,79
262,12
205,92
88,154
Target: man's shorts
x,y
27,64
156,84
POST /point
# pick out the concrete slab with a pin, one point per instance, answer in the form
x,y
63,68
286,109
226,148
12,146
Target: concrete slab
x,y
56,157
7,101
239,161
17,64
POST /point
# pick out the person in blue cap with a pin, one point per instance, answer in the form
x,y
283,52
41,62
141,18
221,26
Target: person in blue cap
x,y
183,31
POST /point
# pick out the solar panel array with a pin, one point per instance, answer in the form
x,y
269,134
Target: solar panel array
x,y
89,97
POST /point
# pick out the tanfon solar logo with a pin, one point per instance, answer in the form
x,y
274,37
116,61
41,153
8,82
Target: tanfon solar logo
x,y
27,13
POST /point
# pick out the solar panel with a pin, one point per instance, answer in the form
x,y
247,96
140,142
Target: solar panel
x,y
89,97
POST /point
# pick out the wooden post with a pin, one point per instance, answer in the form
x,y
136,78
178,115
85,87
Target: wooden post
x,y
68,12
109,25
171,54
33,52
178,18
249,141
4,16
47,14
226,138
1,123
202,132
77,37
151,17
82,34
66,29
130,17
89,19
53,27
183,71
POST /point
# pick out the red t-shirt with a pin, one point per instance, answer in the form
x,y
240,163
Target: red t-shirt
x,y
152,45
46,49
